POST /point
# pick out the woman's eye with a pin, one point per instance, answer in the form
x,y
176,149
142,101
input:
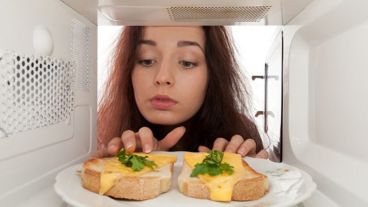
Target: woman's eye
x,y
146,62
187,64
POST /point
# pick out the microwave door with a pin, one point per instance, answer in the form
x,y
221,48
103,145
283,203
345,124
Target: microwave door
x,y
48,97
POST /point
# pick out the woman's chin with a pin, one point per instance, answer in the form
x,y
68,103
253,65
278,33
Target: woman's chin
x,y
165,119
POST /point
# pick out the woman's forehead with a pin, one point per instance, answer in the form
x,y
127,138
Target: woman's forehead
x,y
175,34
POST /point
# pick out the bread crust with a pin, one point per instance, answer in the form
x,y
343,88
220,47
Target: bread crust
x,y
126,187
248,188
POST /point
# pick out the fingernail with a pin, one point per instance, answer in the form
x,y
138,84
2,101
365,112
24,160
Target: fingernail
x,y
128,146
241,152
147,148
112,147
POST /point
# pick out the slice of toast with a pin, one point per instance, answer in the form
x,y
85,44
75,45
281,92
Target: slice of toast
x,y
249,185
127,185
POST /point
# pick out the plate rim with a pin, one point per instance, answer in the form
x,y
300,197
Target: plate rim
x,y
308,180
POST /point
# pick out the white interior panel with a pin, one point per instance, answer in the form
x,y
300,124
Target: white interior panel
x,y
291,8
86,8
190,12
340,85
326,97
31,157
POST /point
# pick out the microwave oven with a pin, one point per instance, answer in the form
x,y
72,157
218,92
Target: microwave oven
x,y
48,86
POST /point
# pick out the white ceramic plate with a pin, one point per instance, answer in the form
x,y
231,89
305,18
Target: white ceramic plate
x,y
288,186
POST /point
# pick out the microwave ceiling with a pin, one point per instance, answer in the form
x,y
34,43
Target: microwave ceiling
x,y
86,8
188,12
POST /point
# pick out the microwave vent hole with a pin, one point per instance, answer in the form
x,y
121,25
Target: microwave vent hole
x,y
218,14
79,50
35,91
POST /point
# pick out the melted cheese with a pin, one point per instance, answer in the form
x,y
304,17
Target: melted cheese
x,y
114,170
107,180
220,186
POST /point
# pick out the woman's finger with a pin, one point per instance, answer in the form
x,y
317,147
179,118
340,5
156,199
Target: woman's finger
x,y
203,149
247,148
171,138
263,154
220,144
234,144
114,146
101,152
147,140
129,140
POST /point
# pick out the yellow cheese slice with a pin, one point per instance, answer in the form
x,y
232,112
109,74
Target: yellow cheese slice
x,y
113,169
107,181
220,186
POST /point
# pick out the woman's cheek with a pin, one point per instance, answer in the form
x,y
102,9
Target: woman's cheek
x,y
139,86
195,95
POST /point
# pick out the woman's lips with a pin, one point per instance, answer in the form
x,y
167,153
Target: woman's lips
x,y
162,102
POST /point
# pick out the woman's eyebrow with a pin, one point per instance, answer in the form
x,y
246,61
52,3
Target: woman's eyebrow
x,y
147,42
183,43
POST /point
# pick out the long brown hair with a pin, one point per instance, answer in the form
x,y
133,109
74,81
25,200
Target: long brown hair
x,y
224,112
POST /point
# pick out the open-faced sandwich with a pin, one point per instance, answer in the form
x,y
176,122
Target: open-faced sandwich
x,y
136,176
220,176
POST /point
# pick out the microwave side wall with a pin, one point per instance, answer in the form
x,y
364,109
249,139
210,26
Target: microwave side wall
x,y
42,134
326,98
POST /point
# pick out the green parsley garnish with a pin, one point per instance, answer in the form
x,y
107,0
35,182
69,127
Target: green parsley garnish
x,y
136,162
212,165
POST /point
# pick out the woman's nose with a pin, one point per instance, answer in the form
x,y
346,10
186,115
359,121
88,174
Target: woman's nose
x,y
164,76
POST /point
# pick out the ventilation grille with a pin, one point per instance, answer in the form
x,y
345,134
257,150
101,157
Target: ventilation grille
x,y
34,92
79,51
239,14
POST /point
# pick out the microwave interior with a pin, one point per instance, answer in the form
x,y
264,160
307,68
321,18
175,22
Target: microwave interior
x,y
312,84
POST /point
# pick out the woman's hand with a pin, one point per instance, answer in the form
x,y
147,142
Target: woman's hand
x,y
143,140
236,145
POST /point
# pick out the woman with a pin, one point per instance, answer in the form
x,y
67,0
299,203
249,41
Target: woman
x,y
175,88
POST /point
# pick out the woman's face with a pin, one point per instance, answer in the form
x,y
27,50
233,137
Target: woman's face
x,y
170,74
